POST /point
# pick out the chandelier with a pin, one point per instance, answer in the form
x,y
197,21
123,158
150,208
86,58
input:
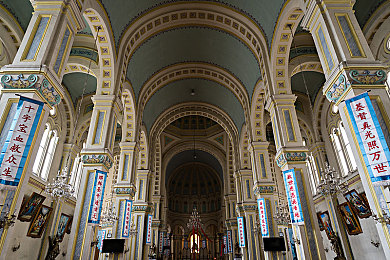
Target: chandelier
x,y
194,221
282,214
331,182
384,219
133,230
60,187
7,220
109,215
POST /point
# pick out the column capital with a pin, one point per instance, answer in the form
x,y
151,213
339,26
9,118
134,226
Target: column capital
x,y
259,145
291,155
280,99
264,189
91,158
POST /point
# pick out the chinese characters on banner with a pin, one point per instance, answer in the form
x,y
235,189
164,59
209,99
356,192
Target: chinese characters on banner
x,y
127,218
225,245
263,217
101,235
97,197
149,230
17,145
294,203
161,241
229,241
370,137
241,231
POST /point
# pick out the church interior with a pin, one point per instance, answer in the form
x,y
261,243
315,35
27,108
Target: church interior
x,y
180,129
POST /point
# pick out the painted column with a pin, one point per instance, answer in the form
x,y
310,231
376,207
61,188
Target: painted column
x,y
350,69
97,155
290,154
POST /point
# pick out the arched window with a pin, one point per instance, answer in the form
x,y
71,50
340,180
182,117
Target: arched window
x,y
49,155
347,162
75,177
312,168
45,153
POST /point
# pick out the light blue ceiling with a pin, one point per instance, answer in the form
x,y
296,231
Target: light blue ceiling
x,y
193,44
188,156
123,12
205,91
74,82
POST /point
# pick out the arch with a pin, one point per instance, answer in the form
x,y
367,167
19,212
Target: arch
x,y
128,129
143,158
99,23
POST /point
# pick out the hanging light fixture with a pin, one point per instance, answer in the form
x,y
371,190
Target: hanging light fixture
x,y
109,215
331,182
60,188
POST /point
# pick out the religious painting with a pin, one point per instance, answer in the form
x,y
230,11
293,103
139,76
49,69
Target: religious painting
x,y
30,207
361,208
69,227
63,225
351,222
320,221
40,221
327,224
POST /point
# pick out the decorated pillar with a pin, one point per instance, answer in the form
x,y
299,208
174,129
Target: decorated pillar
x,y
97,160
350,69
291,156
36,73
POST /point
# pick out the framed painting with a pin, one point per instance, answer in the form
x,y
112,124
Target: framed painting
x,y
63,224
38,224
327,224
30,207
359,205
320,221
69,227
351,222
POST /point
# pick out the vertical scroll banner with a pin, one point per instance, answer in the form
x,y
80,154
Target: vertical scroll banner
x,y
229,241
225,251
263,217
160,243
241,231
17,146
101,236
97,197
370,137
149,230
127,218
294,204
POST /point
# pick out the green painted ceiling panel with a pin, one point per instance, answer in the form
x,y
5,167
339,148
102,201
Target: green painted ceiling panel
x,y
365,8
196,45
205,91
21,9
74,82
314,81
122,12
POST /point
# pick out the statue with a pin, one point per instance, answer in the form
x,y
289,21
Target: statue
x,y
336,247
54,248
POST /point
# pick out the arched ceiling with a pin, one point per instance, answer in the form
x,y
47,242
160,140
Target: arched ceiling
x,y
205,91
188,157
314,81
21,9
74,82
193,44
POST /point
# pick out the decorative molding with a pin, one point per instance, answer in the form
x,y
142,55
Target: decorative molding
x,y
97,159
337,89
144,208
125,191
366,78
246,208
286,157
47,91
264,190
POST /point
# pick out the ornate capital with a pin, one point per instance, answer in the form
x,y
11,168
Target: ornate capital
x,y
125,191
292,156
143,208
97,159
34,82
337,89
259,190
366,77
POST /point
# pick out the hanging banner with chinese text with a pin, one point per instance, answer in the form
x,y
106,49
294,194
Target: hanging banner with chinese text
x,y
101,236
370,137
263,217
149,230
160,243
16,148
294,204
241,231
229,241
97,197
127,218
225,245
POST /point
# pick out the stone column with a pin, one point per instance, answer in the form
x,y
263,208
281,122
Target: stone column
x,y
36,72
97,155
290,154
350,69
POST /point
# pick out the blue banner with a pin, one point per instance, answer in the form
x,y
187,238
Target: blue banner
x,y
241,231
229,241
370,138
263,217
16,148
294,203
127,218
97,197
